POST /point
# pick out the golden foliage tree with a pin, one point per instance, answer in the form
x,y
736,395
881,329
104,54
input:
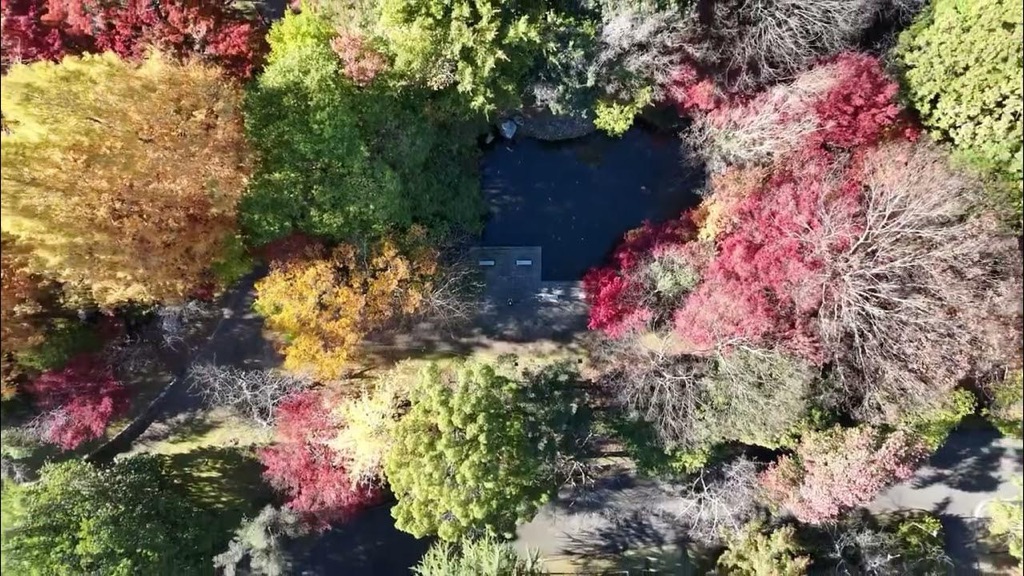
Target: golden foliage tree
x,y
326,301
121,178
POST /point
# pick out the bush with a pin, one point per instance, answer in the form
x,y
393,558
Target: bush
x,y
1005,411
615,118
476,557
839,469
64,340
1005,524
77,402
902,544
964,74
262,542
757,551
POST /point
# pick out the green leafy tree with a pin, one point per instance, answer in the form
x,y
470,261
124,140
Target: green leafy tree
x,y
1006,411
758,552
483,48
126,519
965,75
479,452
341,161
487,555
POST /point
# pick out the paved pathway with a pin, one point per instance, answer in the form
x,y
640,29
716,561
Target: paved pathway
x,y
973,468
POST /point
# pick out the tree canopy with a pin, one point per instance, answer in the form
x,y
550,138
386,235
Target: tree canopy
x,y
442,465
121,179
126,519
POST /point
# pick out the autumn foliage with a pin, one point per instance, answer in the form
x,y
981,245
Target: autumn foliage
x,y
302,465
326,301
836,470
122,179
212,30
77,401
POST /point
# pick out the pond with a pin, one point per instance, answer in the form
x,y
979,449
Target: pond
x,y
576,198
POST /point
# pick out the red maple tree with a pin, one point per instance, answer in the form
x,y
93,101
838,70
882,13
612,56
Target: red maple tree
x,y
303,466
78,401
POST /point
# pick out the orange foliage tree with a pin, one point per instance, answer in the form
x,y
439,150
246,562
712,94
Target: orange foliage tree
x,y
326,301
20,327
121,179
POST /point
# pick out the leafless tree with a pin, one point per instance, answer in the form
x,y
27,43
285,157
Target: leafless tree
x,y
660,387
454,293
748,44
897,310
859,550
254,394
178,322
638,47
14,471
718,502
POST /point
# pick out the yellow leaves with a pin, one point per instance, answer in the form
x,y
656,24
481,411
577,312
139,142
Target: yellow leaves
x,y
326,302
122,179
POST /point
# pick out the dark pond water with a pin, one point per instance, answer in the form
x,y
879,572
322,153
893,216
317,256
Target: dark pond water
x,y
575,199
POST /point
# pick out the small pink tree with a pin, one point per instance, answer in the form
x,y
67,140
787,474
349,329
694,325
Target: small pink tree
x,y
839,469
78,401
303,466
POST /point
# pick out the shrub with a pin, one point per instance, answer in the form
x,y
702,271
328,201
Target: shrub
x,y
755,397
78,402
302,465
964,75
370,420
262,542
757,551
934,426
841,468
905,543
615,118
1005,411
473,557
1005,524
233,263
63,340
652,270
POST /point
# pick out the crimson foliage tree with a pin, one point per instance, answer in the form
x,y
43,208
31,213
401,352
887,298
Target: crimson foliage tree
x,y
210,29
303,466
78,401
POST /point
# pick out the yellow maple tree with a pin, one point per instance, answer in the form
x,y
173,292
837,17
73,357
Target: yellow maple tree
x,y
326,301
122,179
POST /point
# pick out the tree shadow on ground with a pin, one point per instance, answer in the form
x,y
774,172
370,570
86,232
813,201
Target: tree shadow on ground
x,y
225,482
969,462
595,497
631,543
368,545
